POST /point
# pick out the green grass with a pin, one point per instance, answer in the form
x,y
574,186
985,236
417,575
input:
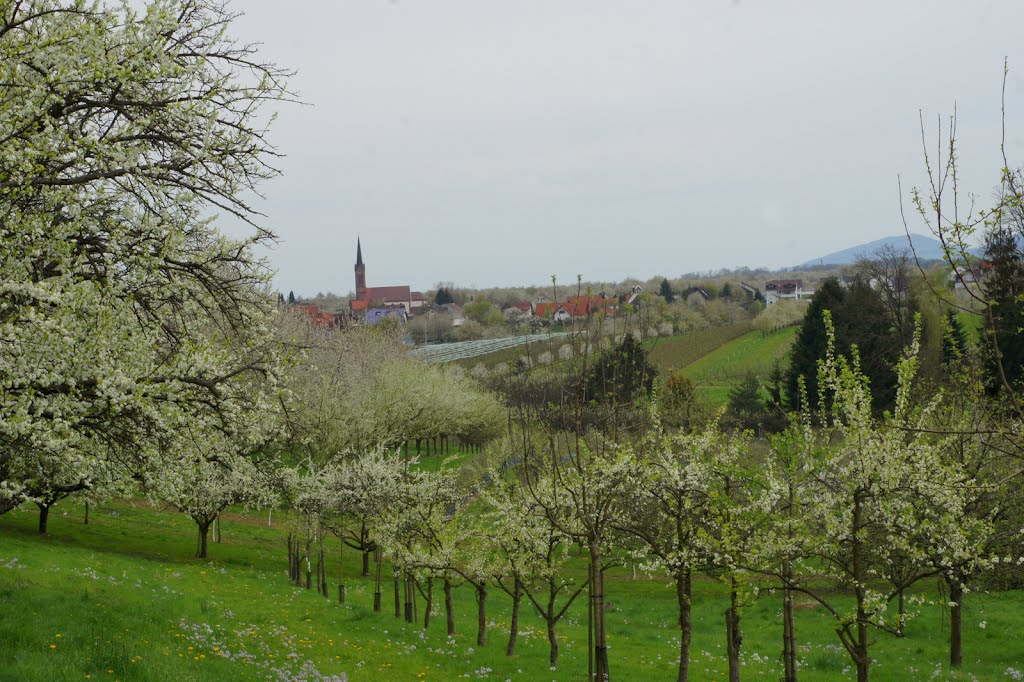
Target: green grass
x,y
124,595
676,352
751,353
716,363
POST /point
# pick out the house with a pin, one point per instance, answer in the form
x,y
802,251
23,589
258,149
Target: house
x,y
750,291
696,296
525,307
559,312
377,315
457,313
778,289
315,315
578,307
968,277
382,297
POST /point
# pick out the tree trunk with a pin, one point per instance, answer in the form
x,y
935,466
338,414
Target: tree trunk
x,y
860,646
87,512
449,607
590,622
685,601
378,559
366,563
291,564
398,595
44,514
598,600
734,635
430,603
788,630
956,645
552,639
481,614
203,529
309,563
513,631
319,571
410,595
341,571
323,570
901,623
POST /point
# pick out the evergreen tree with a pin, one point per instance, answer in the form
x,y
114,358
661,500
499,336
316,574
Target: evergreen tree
x,y
666,291
622,374
726,290
863,320
291,297
810,343
1003,335
954,340
443,296
745,408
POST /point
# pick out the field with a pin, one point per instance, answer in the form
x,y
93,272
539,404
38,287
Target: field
x,y
680,351
123,599
717,359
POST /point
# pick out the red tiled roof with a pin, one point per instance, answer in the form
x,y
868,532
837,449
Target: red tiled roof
x,y
392,294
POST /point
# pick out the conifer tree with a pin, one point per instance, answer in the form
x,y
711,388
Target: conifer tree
x,y
666,291
1003,335
811,342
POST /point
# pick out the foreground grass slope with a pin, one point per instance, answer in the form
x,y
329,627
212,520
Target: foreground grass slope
x,y
123,599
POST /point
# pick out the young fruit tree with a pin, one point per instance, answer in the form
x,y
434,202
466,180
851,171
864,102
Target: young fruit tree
x,y
208,480
883,496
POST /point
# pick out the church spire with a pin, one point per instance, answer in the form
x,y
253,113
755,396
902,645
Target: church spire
x,y
361,292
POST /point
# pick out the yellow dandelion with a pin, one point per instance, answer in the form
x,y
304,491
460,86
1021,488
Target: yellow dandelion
x,y
53,646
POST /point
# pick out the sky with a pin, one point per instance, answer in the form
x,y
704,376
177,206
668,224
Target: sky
x,y
493,143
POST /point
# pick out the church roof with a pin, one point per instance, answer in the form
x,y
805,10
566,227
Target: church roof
x,y
389,294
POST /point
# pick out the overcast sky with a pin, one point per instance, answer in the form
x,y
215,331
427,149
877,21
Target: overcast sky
x,y
498,143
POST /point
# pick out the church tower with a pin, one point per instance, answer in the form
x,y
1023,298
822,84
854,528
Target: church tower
x,y
360,273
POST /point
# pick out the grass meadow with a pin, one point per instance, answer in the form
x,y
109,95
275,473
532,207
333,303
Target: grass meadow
x,y
717,359
123,599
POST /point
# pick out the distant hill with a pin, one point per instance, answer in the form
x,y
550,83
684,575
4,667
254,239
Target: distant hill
x,y
927,248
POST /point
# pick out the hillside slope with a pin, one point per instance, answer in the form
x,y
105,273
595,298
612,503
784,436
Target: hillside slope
x,y
122,599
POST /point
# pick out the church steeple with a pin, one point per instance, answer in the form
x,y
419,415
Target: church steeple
x,y
360,273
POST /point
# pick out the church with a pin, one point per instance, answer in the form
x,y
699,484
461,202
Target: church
x,y
381,297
